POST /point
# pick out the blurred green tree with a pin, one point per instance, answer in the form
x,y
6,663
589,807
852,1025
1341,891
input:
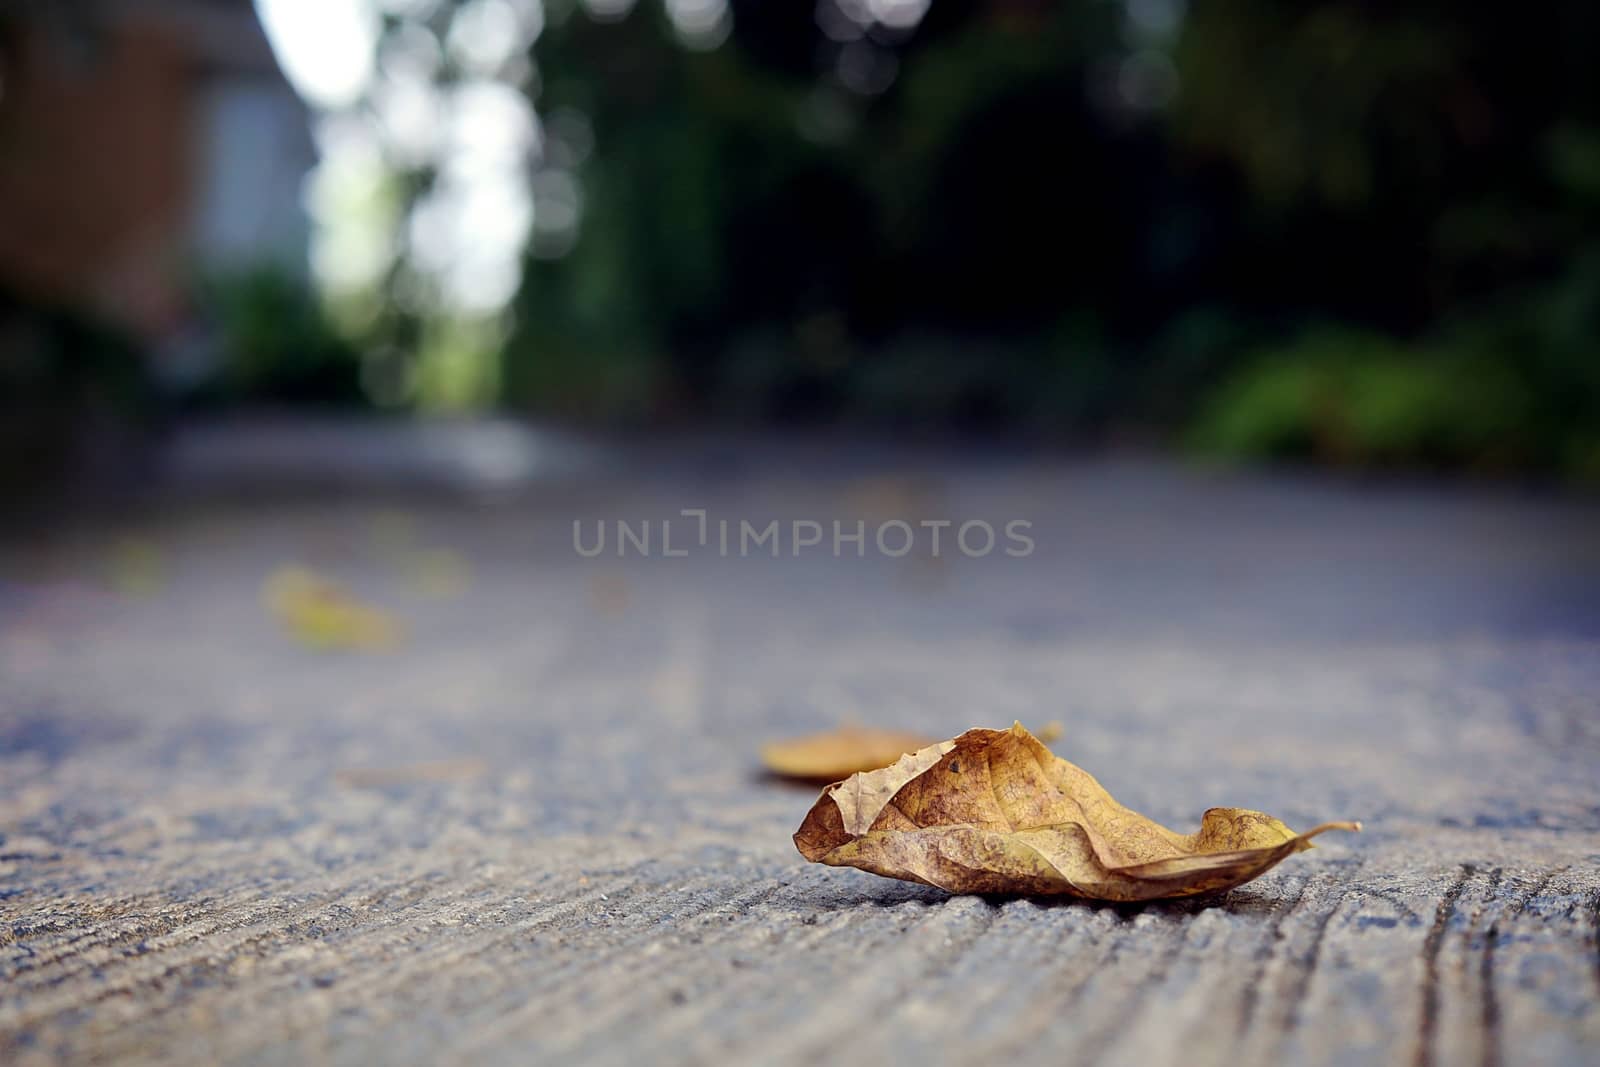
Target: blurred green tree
x,y
1206,220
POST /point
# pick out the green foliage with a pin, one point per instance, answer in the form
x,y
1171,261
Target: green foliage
x,y
276,342
1365,234
1470,399
1334,101
1356,399
1510,382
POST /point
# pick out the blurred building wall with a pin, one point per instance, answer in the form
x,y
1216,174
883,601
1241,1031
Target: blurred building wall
x,y
252,155
141,139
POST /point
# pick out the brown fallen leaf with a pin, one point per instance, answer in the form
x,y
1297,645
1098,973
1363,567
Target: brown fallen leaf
x,y
994,811
828,757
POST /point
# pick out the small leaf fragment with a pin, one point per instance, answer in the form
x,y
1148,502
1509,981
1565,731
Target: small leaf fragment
x,y
319,612
994,811
828,757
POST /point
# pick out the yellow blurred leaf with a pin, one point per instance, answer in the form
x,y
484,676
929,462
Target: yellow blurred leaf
x,y
994,811
830,756
318,612
136,567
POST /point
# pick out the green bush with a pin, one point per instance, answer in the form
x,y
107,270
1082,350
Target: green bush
x,y
1360,399
276,343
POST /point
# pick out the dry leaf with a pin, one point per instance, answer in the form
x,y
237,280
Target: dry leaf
x,y
839,753
319,612
994,811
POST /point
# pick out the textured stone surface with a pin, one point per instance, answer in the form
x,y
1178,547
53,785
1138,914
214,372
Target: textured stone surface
x,y
539,830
